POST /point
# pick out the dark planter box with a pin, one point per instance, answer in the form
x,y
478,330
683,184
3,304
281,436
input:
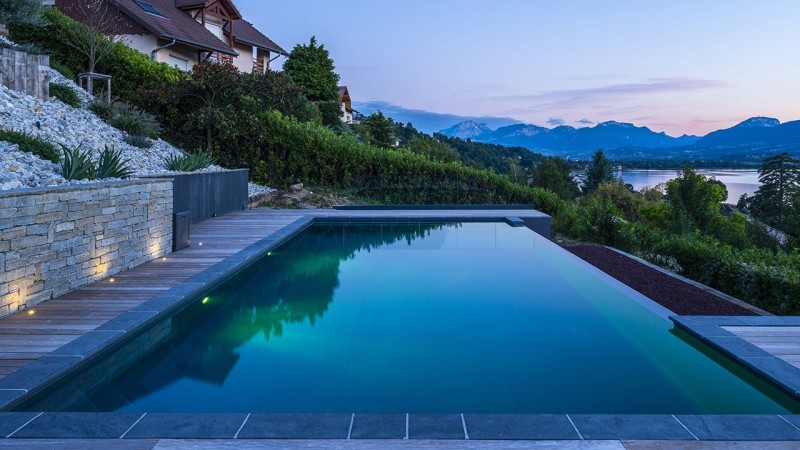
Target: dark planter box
x,y
209,194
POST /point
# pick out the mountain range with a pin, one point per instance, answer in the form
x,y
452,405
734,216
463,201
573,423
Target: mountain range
x,y
425,121
751,139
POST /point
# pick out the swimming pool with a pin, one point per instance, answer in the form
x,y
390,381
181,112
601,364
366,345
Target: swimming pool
x,y
427,317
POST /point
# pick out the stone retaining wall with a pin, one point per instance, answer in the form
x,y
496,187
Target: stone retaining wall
x,y
26,73
53,240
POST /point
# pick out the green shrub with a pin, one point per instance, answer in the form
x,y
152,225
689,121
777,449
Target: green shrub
x,y
189,162
102,108
66,94
63,70
111,164
31,144
763,278
216,108
131,120
138,141
331,113
77,165
26,11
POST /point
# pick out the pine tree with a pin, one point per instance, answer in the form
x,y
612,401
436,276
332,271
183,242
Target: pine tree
x,y
311,68
599,172
380,130
780,178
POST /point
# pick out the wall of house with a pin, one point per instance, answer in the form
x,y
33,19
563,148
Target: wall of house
x,y
144,43
26,73
347,116
56,239
243,62
179,50
264,56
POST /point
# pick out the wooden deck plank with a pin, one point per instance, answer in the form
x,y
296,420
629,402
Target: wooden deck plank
x,y
783,342
25,337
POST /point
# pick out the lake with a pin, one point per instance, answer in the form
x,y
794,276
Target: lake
x,y
738,182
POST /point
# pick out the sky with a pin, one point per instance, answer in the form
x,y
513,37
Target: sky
x,y
676,66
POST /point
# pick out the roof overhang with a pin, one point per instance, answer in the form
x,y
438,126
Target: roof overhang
x,y
225,50
261,46
221,48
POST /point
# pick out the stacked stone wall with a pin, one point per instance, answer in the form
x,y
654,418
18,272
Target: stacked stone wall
x,y
54,240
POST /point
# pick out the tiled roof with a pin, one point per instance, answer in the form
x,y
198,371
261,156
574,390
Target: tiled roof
x,y
174,24
244,31
192,4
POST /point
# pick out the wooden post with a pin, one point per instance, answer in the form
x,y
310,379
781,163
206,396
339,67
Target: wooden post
x,y
44,76
19,71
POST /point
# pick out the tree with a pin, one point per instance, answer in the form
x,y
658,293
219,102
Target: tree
x,y
311,68
694,200
331,113
514,170
555,174
780,177
599,172
96,33
380,130
20,11
433,149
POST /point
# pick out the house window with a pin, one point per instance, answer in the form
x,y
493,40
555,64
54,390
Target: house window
x,y
214,28
148,7
180,63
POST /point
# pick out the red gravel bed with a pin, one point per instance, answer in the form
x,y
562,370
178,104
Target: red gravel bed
x,y
677,296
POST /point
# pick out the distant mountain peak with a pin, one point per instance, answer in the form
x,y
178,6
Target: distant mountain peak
x,y
614,123
759,122
521,129
467,129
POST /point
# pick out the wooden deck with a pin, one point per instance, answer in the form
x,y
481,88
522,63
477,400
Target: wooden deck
x,y
783,342
31,334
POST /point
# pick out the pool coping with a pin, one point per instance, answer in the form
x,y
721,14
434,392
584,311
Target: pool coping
x,y
709,330
31,379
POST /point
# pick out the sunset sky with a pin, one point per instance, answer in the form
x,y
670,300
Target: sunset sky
x,y
677,66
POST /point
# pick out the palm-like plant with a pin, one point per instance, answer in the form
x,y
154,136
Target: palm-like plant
x,y
77,164
111,164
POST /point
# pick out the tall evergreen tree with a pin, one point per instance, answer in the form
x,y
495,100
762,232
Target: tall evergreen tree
x,y
780,178
555,174
380,130
311,67
599,172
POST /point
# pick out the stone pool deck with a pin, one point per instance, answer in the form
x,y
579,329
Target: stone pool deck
x,y
62,332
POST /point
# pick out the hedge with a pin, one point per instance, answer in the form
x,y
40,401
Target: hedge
x,y
306,152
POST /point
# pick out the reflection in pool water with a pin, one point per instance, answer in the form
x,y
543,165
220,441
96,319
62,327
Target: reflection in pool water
x,y
472,317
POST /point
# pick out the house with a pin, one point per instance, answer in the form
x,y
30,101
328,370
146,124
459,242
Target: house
x,y
347,104
183,33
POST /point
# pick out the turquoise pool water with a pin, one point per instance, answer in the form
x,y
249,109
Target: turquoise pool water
x,y
437,318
